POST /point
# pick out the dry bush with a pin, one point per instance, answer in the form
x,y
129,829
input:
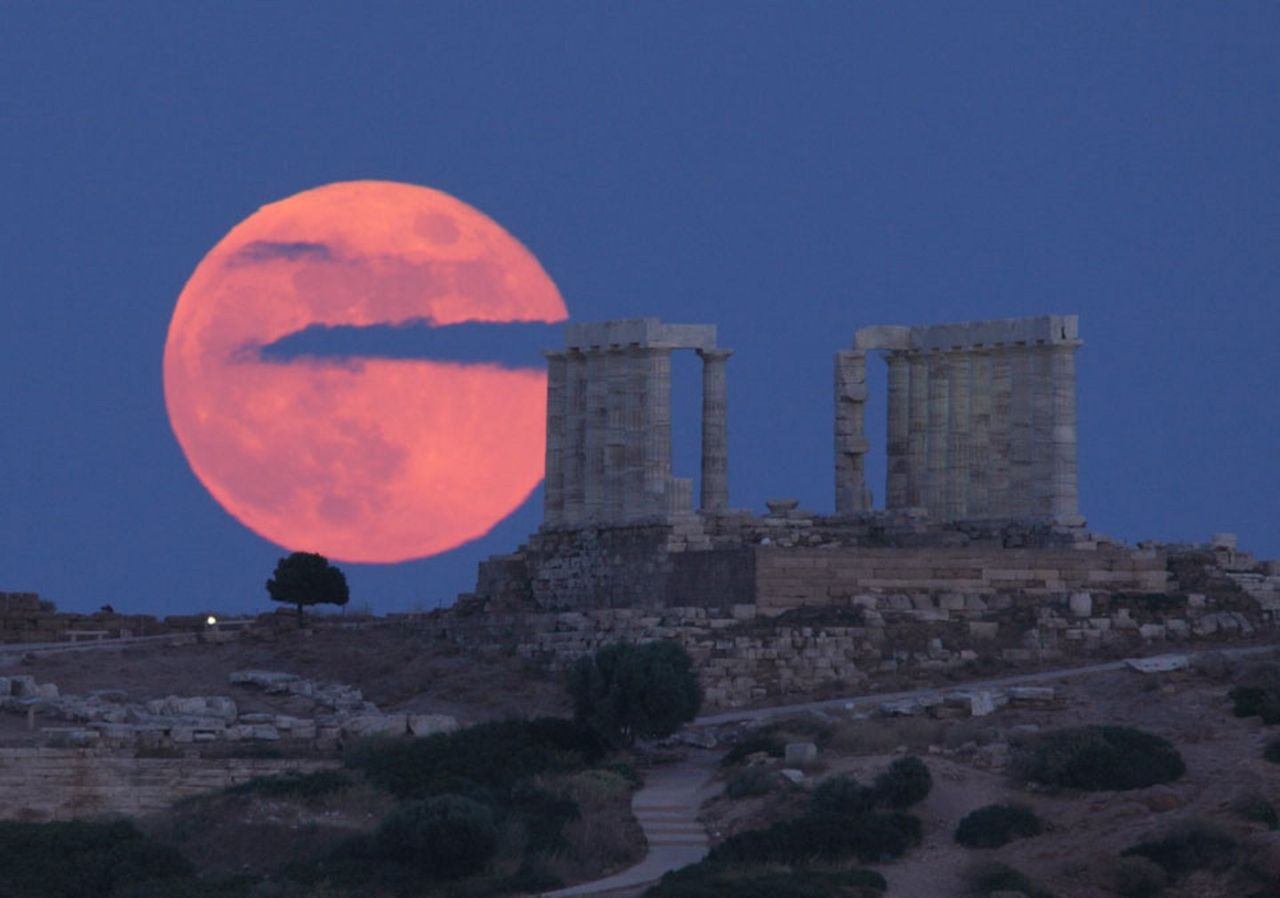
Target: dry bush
x,y
605,836
881,737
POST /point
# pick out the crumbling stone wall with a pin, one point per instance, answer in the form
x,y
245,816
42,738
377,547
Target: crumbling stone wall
x,y
25,617
59,784
747,653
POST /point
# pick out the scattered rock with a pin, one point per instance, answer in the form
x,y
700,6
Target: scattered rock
x,y
796,776
1158,663
798,754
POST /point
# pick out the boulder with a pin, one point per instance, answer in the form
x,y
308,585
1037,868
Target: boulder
x,y
375,725
270,680
429,724
1158,663
797,754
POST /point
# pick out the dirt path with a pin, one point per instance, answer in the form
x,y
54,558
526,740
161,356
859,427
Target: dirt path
x,y
860,702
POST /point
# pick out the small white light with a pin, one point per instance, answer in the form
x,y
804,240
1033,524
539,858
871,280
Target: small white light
x,y
211,620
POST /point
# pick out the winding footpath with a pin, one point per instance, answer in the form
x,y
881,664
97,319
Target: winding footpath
x,y
667,805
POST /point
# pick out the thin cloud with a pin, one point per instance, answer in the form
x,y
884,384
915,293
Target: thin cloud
x,y
293,251
514,344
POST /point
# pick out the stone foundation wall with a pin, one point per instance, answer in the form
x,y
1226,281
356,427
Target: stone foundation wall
x,y
795,577
59,784
747,654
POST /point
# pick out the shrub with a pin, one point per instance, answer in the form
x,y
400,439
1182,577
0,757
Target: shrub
x,y
987,878
710,880
1271,752
869,838
445,837
750,783
770,744
1138,877
78,859
1196,845
491,756
842,795
294,785
625,691
1254,807
906,782
996,825
1100,757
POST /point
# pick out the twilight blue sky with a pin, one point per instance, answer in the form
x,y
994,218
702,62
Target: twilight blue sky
x,y
789,171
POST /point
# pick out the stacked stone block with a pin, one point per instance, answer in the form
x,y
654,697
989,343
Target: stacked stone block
x,y
981,420
609,424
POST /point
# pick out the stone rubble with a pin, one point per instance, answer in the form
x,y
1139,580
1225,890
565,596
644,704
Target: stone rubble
x,y
107,717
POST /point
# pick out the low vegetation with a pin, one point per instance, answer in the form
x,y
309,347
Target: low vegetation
x,y
996,825
1097,758
844,822
991,878
1191,846
721,881
87,860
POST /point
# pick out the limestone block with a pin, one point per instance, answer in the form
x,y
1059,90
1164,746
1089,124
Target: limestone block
x,y
46,691
429,724
1030,694
22,686
375,725
1158,663
1081,604
270,680
252,733
1151,631
983,629
797,754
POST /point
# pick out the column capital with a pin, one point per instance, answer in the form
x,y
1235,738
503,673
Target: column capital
x,y
714,355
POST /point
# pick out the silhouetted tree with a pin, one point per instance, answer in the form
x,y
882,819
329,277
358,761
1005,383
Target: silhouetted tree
x,y
305,578
625,691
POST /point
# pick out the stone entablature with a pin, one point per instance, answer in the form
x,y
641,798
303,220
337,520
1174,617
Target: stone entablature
x,y
981,419
609,424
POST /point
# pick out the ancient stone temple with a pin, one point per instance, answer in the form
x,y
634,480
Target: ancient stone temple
x,y
609,423
981,419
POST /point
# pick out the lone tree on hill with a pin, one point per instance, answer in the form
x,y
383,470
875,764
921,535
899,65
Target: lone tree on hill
x,y
625,691
305,578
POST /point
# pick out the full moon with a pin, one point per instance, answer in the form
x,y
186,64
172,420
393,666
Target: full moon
x,y
365,459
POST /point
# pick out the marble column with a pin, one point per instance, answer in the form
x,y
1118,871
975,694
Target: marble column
x,y
1021,504
1001,447
957,477
897,442
574,455
917,429
553,488
615,437
1041,361
657,426
850,438
594,501
979,505
635,439
1064,501
939,413
715,430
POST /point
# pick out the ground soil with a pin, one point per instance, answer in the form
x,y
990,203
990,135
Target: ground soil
x,y
395,668
1086,831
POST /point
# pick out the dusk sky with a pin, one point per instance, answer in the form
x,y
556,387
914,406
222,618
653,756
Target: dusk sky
x,y
787,171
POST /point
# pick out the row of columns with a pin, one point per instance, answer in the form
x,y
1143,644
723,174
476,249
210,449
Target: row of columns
x,y
608,451
982,433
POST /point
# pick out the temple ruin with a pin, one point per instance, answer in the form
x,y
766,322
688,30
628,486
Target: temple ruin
x,y
609,423
981,419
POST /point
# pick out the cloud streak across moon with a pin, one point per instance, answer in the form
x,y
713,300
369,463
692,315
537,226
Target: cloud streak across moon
x,y
304,430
